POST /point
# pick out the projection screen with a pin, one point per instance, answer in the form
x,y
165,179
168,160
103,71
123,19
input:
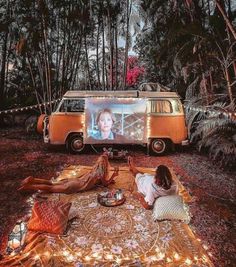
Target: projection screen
x,y
115,120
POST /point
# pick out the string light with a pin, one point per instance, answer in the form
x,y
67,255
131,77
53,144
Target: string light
x,y
46,254
210,254
188,261
204,258
176,256
79,254
87,258
70,258
161,256
109,256
214,113
14,110
66,253
36,257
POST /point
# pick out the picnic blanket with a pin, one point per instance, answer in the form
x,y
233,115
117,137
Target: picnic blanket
x,y
125,235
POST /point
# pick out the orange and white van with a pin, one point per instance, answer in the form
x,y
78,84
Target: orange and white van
x,y
153,119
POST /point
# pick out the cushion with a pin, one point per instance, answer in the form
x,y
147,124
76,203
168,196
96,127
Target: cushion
x,y
170,208
49,216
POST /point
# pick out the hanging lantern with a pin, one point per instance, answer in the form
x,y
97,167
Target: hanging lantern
x,y
17,237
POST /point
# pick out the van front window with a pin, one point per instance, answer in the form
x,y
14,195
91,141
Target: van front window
x,y
72,105
160,106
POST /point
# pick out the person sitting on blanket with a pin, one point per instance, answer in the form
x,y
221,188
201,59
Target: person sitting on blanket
x,y
151,187
98,175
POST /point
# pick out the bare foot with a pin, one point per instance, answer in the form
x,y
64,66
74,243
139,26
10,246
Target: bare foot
x,y
27,180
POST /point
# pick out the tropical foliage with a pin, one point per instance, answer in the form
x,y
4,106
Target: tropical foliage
x,y
190,47
213,129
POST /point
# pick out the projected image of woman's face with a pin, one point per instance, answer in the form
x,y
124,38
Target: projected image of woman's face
x,y
105,122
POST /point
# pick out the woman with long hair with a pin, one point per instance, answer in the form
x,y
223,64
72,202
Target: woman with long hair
x,y
151,187
98,175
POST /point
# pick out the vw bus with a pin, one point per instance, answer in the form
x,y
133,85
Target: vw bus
x,y
153,119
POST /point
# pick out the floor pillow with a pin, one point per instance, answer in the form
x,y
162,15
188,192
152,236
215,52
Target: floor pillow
x,y
171,208
49,216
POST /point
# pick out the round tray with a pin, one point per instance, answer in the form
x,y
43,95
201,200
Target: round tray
x,y
104,200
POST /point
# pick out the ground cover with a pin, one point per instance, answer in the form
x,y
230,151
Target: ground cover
x,y
213,189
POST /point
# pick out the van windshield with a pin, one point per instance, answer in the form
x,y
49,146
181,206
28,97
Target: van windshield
x,y
177,106
72,105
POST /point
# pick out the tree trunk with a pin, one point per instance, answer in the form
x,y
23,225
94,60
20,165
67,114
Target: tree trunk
x,y
97,56
227,21
87,62
116,58
34,84
128,12
229,85
103,55
204,80
110,37
3,69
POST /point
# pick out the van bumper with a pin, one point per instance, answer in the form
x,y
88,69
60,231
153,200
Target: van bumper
x,y
185,143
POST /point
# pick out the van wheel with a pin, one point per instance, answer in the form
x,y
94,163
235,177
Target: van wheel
x,y
158,146
75,143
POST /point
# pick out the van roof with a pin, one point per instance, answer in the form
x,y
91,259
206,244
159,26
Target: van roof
x,y
72,94
134,94
147,94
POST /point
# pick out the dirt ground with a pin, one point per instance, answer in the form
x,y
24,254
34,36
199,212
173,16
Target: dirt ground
x,y
214,190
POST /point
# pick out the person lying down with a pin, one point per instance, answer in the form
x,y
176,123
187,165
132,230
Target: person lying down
x,y
150,187
98,175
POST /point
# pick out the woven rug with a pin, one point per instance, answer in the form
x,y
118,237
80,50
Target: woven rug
x,y
125,235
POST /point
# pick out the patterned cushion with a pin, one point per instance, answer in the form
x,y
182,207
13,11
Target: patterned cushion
x,y
170,208
49,216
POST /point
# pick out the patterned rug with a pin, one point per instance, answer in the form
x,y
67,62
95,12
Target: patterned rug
x,y
125,235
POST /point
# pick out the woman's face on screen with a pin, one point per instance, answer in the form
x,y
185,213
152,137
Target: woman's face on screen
x,y
105,122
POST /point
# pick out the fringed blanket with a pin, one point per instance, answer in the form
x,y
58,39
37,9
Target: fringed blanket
x,y
125,235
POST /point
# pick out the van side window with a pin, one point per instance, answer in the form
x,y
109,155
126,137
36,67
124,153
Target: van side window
x,y
177,106
72,105
160,106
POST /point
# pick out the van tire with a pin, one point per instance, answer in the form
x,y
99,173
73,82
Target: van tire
x,y
75,143
158,146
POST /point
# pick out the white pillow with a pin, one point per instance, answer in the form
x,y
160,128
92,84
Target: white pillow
x,y
171,208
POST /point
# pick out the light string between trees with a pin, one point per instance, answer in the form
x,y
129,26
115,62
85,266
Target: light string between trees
x,y
15,110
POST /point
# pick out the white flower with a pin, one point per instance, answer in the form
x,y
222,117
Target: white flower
x,y
82,240
129,207
79,264
130,243
107,230
92,205
97,248
118,227
139,227
116,249
138,218
122,222
99,216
